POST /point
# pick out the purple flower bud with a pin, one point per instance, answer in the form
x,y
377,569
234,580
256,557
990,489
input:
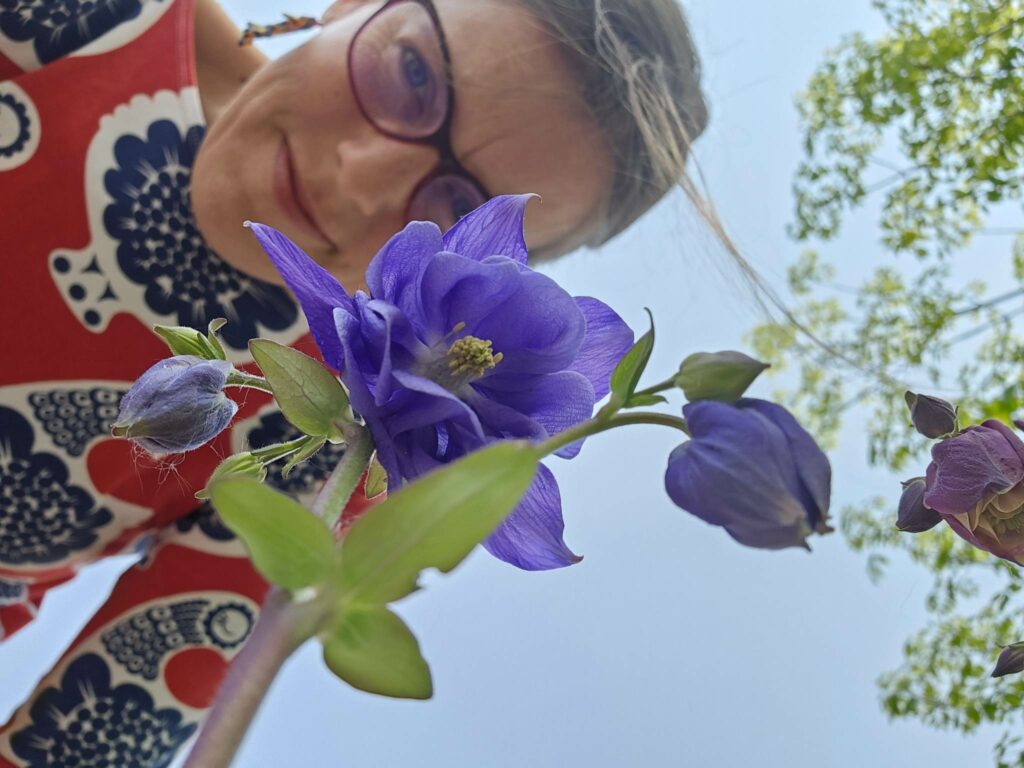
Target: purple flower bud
x,y
976,482
1010,661
177,405
914,516
752,469
932,417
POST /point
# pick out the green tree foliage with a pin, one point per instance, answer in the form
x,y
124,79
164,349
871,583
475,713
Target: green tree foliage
x,y
925,125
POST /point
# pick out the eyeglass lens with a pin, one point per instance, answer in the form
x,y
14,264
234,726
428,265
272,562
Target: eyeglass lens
x,y
398,73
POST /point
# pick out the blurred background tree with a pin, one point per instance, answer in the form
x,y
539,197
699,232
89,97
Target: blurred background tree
x,y
919,133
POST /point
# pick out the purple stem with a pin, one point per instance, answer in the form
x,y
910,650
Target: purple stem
x,y
276,635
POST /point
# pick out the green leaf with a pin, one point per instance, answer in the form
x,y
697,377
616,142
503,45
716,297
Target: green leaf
x,y
313,444
434,522
376,478
627,373
211,336
288,544
640,401
372,649
311,398
187,341
237,465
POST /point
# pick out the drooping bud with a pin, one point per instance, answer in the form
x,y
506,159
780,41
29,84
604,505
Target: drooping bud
x,y
1010,661
932,416
177,405
720,475
913,515
722,376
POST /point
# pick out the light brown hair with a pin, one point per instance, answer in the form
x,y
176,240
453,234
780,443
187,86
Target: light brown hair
x,y
640,80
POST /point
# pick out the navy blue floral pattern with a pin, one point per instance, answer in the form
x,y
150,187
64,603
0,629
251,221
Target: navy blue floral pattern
x,y
208,521
87,723
59,27
139,641
43,518
307,476
73,417
142,639
9,103
12,592
160,248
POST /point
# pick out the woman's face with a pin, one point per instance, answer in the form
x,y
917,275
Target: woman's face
x,y
294,150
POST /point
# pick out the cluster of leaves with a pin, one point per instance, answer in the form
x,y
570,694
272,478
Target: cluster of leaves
x,y
927,122
976,605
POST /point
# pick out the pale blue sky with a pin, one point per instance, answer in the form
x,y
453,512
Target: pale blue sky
x,y
670,645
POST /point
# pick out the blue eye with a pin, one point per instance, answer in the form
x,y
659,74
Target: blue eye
x,y
414,68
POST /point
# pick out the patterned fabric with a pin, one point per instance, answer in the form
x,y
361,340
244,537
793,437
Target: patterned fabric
x,y
100,244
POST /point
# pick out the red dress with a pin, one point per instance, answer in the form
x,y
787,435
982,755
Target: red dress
x,y
100,122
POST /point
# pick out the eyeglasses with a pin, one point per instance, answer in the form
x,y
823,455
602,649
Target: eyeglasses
x,y
400,73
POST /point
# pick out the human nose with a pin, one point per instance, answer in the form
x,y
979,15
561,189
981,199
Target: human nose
x,y
378,174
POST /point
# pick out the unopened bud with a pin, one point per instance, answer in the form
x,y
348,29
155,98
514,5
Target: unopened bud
x,y
1010,661
722,376
914,516
177,405
932,416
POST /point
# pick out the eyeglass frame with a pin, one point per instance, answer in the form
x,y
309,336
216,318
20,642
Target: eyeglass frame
x,y
441,139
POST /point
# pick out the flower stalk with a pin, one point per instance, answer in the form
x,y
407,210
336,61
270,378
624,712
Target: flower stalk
x,y
596,426
283,625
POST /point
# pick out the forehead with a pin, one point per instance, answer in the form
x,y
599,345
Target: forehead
x,y
519,123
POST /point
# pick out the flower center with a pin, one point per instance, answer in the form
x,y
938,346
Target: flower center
x,y
469,358
1003,522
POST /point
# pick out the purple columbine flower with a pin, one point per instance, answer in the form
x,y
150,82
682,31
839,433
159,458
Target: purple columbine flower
x,y
752,469
459,343
976,482
177,405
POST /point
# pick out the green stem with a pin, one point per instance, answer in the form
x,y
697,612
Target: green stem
x,y
277,451
667,384
242,379
595,426
333,497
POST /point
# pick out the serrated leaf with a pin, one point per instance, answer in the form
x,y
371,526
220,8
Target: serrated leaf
x,y
639,401
376,478
313,445
434,522
372,649
627,373
289,545
309,395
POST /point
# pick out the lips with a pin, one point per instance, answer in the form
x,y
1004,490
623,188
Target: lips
x,y
289,196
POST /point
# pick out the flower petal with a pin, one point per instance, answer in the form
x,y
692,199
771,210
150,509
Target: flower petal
x,y
317,290
493,229
966,468
538,329
556,401
812,465
456,289
394,273
607,339
531,536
